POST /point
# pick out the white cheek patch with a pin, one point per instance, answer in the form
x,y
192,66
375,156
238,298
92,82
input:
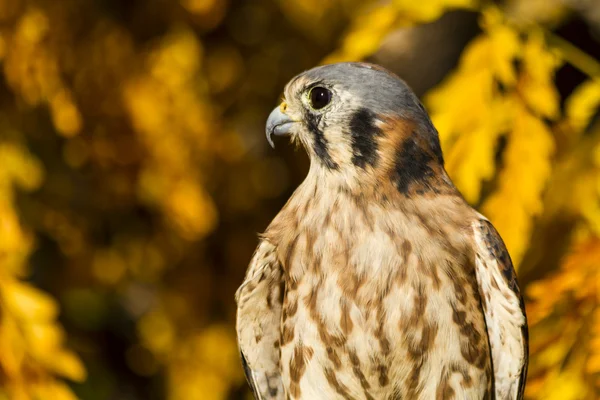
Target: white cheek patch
x,y
339,144
335,126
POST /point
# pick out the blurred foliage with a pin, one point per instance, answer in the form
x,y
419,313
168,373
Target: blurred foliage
x,y
134,175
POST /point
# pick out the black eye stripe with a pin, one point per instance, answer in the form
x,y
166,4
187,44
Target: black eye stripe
x,y
320,144
319,97
364,132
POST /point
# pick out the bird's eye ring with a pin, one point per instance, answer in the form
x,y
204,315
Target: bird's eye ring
x,y
319,97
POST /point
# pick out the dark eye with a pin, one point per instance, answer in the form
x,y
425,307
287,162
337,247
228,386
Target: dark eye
x,y
319,97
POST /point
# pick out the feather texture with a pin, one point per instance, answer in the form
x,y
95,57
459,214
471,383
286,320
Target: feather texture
x,y
258,318
504,312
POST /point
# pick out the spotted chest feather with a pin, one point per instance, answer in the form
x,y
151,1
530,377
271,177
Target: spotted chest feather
x,y
378,305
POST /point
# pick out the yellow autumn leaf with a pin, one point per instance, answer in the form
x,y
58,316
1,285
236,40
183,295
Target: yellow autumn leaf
x,y
202,383
28,303
469,112
430,10
14,348
33,25
43,338
67,364
177,59
537,85
581,105
52,390
65,115
565,385
584,198
191,209
592,365
469,168
456,111
217,348
527,168
366,34
505,47
19,166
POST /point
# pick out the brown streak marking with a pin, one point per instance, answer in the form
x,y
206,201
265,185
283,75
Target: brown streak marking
x,y
334,358
401,274
358,372
346,323
262,275
471,346
270,297
420,305
310,244
431,230
419,349
413,389
383,376
428,336
361,204
455,367
484,303
350,284
384,343
395,239
290,251
444,391
340,388
494,284
396,395
294,390
297,368
327,219
471,354
461,293
330,341
307,205
287,334
459,317
298,362
291,284
431,271
406,249
490,383
291,307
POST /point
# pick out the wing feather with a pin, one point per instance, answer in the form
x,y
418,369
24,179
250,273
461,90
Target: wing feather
x,y
259,301
504,311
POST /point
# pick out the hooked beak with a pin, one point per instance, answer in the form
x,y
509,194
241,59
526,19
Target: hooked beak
x,y
278,124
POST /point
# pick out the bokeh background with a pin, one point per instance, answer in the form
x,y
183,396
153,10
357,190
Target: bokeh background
x,y
135,175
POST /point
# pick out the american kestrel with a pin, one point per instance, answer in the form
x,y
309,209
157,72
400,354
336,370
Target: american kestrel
x,y
376,280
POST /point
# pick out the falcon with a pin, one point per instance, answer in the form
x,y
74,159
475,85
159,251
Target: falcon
x,y
376,280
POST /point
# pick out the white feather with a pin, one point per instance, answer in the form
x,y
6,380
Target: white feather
x,y
504,319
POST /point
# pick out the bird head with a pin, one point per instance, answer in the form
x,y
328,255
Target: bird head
x,y
358,122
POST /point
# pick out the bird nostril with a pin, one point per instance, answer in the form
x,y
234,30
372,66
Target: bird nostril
x,y
283,106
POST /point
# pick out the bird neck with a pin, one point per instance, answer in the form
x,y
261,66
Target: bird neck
x,y
406,169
